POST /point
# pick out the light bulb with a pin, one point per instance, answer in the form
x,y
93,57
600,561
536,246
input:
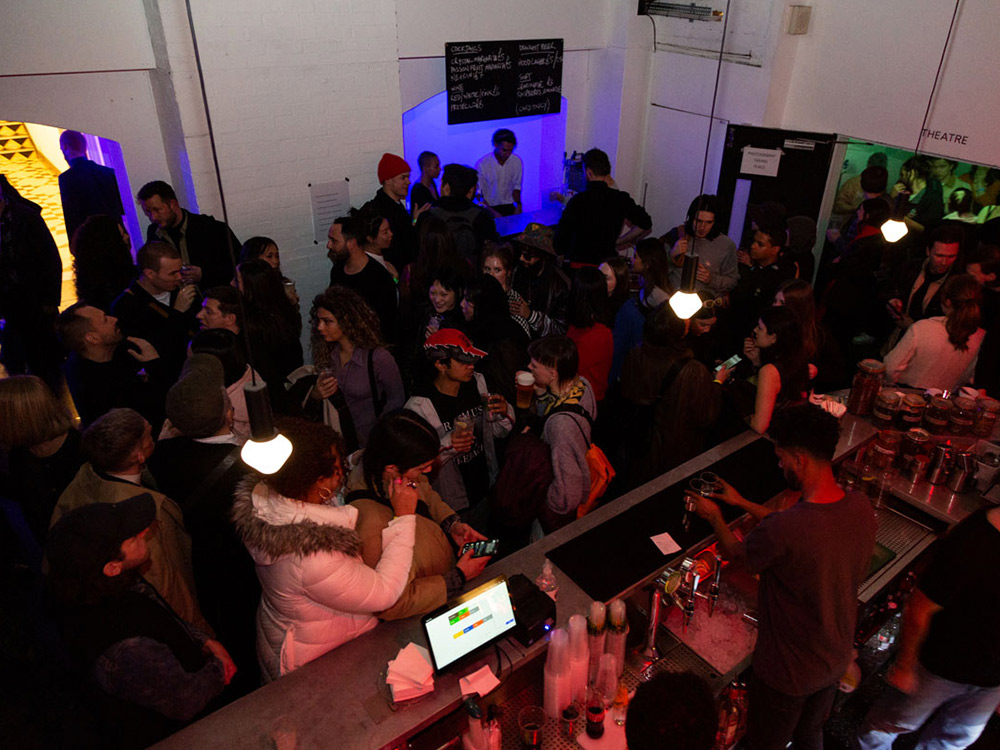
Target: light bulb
x,y
685,304
894,230
268,456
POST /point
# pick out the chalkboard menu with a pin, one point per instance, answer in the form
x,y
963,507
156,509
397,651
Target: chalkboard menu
x,y
494,80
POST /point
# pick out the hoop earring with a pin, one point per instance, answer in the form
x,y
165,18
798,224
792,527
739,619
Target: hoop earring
x,y
325,493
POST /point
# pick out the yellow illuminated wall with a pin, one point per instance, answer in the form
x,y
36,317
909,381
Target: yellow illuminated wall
x,y
36,178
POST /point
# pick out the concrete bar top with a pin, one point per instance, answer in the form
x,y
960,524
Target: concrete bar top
x,y
341,698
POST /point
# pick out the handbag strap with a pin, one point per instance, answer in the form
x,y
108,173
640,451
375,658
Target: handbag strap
x,y
213,476
378,402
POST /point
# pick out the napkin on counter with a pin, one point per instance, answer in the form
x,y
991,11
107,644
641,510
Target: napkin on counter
x,y
612,739
410,674
665,543
828,404
481,681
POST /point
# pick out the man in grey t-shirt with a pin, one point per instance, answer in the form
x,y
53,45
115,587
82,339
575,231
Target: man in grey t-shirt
x,y
811,559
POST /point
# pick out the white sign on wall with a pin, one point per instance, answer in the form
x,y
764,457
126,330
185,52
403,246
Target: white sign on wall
x,y
330,200
760,161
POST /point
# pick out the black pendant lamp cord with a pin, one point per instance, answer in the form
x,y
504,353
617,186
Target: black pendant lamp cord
x,y
218,179
711,119
937,75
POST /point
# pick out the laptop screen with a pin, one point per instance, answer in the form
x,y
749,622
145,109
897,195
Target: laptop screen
x,y
473,620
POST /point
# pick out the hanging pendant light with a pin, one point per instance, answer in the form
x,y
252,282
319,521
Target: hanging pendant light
x,y
894,229
267,449
685,302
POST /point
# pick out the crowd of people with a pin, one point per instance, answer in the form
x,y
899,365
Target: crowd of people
x,y
453,388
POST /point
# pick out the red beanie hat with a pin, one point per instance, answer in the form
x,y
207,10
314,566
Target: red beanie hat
x,y
390,166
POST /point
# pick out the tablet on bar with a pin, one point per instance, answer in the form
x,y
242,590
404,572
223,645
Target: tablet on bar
x,y
475,619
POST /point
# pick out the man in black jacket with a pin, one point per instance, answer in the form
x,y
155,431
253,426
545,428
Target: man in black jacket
x,y
203,242
394,176
470,225
155,672
86,189
104,372
159,307
30,288
200,470
590,229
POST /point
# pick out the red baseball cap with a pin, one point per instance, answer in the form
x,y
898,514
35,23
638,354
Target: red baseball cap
x,y
450,343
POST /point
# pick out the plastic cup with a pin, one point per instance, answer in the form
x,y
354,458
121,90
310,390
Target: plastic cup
x,y
488,415
530,722
463,425
525,389
712,483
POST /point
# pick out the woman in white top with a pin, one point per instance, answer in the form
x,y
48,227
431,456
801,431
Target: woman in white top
x,y
941,352
316,591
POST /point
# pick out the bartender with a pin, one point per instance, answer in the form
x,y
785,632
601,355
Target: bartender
x,y
500,175
811,559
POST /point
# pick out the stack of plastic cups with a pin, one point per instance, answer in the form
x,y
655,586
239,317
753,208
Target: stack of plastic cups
x,y
595,635
557,692
579,657
614,643
606,683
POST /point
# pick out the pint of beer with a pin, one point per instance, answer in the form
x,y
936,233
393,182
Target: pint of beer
x,y
525,389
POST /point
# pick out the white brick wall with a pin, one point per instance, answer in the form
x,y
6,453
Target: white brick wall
x,y
299,92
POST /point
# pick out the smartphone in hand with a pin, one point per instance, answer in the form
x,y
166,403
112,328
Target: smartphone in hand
x,y
730,363
482,548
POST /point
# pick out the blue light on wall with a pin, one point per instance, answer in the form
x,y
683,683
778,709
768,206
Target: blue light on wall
x,y
541,142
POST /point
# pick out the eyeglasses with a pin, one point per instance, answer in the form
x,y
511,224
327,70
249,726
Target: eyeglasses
x,y
710,303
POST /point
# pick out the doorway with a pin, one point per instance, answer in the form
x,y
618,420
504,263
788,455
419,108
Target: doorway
x,y
31,160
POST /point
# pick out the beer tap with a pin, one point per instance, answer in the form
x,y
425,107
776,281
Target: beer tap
x,y
649,653
691,580
713,592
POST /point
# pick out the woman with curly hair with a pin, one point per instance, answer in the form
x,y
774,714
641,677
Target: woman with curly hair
x,y
102,261
354,372
266,250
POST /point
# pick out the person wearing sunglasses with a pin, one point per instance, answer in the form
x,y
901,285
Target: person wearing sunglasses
x,y
542,288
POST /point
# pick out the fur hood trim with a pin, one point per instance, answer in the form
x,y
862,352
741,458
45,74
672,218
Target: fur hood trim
x,y
310,529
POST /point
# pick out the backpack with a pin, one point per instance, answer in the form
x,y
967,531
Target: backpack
x,y
460,225
601,470
524,481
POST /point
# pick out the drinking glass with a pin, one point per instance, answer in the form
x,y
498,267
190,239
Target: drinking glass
x,y
530,722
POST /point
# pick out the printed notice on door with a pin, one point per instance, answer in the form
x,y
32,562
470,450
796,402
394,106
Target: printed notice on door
x,y
761,161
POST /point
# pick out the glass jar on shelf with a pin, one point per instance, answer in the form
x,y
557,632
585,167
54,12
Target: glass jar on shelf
x,y
865,387
936,415
916,441
885,407
886,447
911,411
962,416
987,414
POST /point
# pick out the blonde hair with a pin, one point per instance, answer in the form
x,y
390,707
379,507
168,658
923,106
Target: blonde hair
x,y
29,412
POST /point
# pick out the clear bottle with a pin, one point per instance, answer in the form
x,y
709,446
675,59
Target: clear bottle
x,y
619,706
547,581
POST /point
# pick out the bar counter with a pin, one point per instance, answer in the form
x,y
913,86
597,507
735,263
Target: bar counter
x,y
341,698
